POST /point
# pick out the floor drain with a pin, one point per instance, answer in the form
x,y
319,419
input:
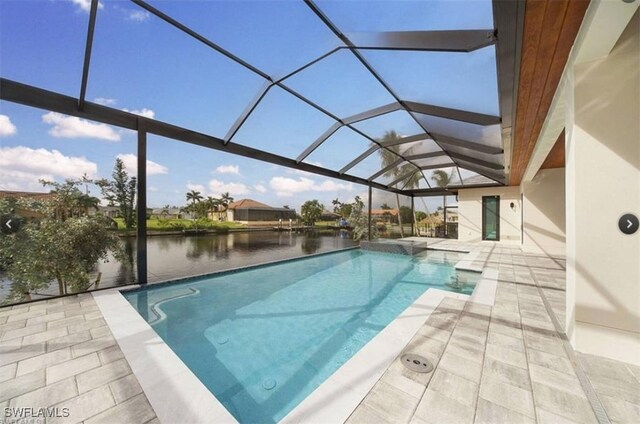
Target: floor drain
x,y
416,363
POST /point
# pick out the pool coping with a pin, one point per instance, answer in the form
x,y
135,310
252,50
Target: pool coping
x,y
177,395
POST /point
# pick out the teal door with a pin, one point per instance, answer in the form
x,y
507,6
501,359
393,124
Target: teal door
x,y
491,218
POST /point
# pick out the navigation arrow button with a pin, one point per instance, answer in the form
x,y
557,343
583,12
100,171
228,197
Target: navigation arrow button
x,y
628,223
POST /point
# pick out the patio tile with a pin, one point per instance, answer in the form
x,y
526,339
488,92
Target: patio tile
x,y
546,417
21,353
43,361
91,346
491,413
23,331
497,327
73,367
462,367
620,410
21,384
20,315
86,325
549,345
509,356
125,388
44,336
45,318
134,410
425,346
65,322
556,379
434,333
66,341
110,354
565,404
365,415
86,405
508,396
506,342
390,403
454,387
437,408
47,395
403,383
7,372
466,351
507,373
102,375
6,326
548,360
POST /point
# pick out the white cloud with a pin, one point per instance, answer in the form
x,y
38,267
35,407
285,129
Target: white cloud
x,y
152,188
21,167
228,169
72,127
130,162
104,101
216,187
138,15
6,126
85,5
287,187
196,187
147,113
260,188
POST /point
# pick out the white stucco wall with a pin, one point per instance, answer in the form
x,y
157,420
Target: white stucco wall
x,y
544,213
470,213
603,182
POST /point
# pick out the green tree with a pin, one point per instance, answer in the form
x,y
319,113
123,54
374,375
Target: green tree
x,y
385,207
195,197
68,201
405,213
60,246
389,156
121,192
420,215
360,221
442,180
226,200
311,211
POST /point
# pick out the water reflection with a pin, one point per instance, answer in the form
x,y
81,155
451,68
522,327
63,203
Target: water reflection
x,y
172,257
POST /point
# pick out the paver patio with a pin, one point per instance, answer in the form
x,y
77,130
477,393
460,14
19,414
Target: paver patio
x,y
505,363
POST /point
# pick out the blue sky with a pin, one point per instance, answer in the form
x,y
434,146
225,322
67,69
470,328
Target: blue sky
x,y
145,66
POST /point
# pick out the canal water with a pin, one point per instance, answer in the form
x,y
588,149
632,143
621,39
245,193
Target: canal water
x,y
171,257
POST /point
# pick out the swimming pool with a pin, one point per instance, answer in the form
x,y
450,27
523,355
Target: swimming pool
x,y
262,339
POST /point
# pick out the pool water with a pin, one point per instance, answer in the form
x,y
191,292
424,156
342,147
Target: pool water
x,y
262,339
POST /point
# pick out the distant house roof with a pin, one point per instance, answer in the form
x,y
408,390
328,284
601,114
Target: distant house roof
x,y
329,214
392,212
170,211
25,194
248,204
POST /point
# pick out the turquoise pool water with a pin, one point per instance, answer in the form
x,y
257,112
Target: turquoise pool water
x,y
261,340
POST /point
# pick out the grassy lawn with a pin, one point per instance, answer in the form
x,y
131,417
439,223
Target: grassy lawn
x,y
182,224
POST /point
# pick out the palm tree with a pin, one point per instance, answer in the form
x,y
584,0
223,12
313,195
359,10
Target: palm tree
x,y
336,205
389,156
226,200
442,180
213,204
194,197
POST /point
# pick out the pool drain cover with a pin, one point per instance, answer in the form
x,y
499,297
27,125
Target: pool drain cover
x,y
416,363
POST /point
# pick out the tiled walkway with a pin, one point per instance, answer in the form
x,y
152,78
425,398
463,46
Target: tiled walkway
x,y
500,364
60,354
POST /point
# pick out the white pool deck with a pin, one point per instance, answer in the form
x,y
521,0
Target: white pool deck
x,y
499,358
